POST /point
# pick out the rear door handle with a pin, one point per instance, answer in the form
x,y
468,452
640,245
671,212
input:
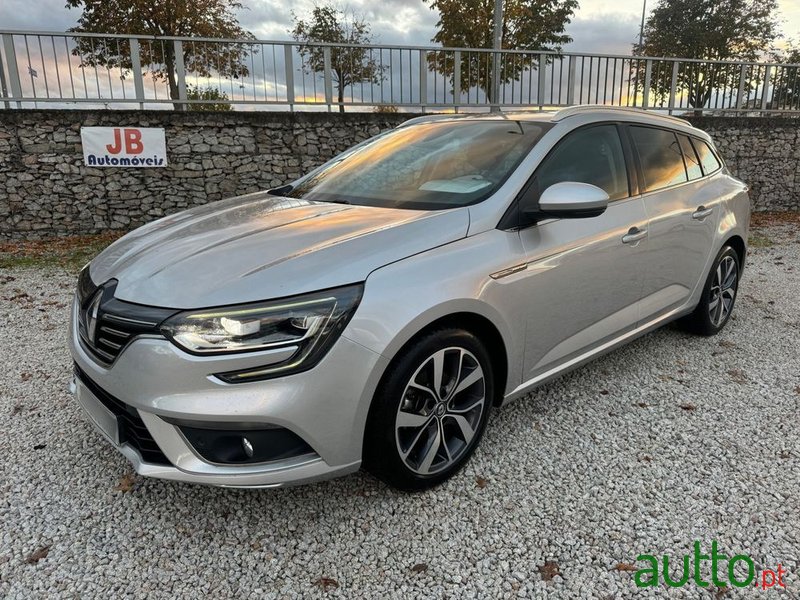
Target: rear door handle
x,y
634,235
701,213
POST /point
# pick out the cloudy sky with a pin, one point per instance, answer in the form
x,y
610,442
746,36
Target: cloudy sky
x,y
598,26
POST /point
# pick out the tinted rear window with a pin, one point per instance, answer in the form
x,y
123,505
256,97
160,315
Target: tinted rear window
x,y
690,156
707,158
660,156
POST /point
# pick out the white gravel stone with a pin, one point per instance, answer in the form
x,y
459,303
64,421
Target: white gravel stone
x,y
593,469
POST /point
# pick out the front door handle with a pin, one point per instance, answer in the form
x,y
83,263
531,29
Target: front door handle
x,y
634,235
701,213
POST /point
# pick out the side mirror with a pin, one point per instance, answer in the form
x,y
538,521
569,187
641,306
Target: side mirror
x,y
573,200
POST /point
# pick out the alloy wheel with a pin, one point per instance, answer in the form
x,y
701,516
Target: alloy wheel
x,y
440,411
723,291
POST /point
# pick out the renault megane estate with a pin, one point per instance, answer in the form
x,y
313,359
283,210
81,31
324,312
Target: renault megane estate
x,y
373,312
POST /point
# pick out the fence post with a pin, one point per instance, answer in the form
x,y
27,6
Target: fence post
x,y
180,73
423,78
648,74
136,68
3,87
673,84
765,89
13,69
740,91
542,72
571,81
457,79
288,63
326,76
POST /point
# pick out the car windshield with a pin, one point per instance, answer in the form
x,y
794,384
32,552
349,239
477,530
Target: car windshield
x,y
429,166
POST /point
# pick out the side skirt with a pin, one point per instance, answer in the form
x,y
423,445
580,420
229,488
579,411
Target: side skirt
x,y
580,360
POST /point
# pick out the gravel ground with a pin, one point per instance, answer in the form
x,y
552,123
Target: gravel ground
x,y
669,440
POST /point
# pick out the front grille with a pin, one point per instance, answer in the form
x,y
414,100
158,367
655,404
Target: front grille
x,y
106,325
131,428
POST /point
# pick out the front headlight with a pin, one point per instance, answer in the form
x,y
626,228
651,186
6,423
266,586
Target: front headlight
x,y
310,322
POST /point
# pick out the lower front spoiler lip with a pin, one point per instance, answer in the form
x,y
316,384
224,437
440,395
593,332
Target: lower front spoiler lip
x,y
295,471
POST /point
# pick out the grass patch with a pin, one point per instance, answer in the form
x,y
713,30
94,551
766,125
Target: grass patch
x,y
70,253
758,240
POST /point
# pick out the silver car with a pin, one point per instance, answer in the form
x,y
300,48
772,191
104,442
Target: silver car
x,y
373,312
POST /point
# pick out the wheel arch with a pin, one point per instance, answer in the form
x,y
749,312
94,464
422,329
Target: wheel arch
x,y
481,327
738,244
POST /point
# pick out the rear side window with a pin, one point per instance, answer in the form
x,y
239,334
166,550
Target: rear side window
x,y
590,155
690,157
707,159
660,156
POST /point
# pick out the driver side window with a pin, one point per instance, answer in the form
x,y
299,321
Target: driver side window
x,y
590,155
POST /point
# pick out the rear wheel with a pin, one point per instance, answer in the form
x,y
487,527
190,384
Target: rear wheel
x,y
429,411
719,295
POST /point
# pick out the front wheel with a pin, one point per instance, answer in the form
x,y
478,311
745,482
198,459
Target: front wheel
x,y
430,410
719,295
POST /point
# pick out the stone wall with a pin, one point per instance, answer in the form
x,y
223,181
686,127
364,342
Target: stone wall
x,y
45,189
762,151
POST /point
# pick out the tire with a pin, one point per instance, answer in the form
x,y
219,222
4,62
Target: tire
x,y
409,420
716,303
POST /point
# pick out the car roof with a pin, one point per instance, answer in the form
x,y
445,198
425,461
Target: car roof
x,y
586,113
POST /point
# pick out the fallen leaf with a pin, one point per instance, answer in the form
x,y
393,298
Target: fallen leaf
x,y
688,406
642,404
738,375
126,483
25,376
604,392
419,568
481,482
549,570
255,546
785,454
326,582
727,344
646,458
625,567
720,592
37,555
40,446
797,390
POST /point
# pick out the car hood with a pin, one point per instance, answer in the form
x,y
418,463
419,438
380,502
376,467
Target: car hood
x,y
260,246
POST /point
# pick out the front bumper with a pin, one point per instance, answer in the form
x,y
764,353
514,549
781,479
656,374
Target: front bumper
x,y
326,407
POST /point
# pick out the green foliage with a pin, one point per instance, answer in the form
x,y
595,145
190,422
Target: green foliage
x,y
197,93
181,18
386,109
786,84
349,65
527,24
709,30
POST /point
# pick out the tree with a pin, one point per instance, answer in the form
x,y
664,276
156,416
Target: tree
x,y
349,65
527,25
180,18
707,30
786,84
221,100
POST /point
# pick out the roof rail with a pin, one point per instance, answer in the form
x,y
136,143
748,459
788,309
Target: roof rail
x,y
432,117
571,111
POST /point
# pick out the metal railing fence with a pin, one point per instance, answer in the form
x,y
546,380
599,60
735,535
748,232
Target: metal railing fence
x,y
107,70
